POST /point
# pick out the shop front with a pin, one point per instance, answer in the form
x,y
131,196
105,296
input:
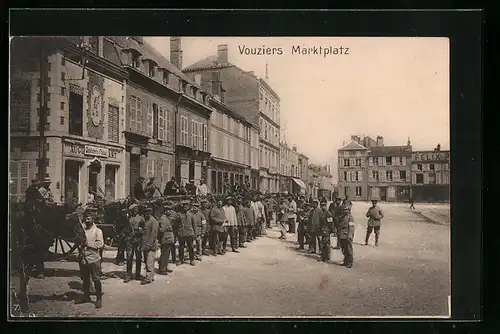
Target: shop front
x,y
191,165
222,171
91,169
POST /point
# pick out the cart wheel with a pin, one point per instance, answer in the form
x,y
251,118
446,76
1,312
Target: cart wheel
x,y
61,248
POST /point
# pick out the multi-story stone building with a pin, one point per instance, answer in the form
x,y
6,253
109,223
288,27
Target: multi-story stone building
x,y
303,167
255,100
167,114
291,181
430,175
83,97
374,171
230,147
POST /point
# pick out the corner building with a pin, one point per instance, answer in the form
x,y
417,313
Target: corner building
x,y
85,108
430,175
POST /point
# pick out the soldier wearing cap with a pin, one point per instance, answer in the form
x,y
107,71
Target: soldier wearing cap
x,y
122,222
133,237
346,235
374,215
90,259
149,244
242,224
217,219
167,240
206,237
326,226
199,222
231,225
337,213
187,230
45,192
313,226
302,227
249,219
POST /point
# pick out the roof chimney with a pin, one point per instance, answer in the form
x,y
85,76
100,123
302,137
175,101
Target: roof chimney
x,y
222,57
408,143
380,141
197,79
176,52
438,148
295,148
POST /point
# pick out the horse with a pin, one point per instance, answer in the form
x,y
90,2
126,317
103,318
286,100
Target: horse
x,y
34,233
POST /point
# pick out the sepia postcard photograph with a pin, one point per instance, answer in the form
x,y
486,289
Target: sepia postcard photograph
x,y
212,177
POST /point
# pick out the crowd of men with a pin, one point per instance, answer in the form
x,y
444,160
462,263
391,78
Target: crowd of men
x,y
184,232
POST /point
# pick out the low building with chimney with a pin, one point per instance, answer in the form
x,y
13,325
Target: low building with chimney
x,y
67,94
430,175
168,114
255,100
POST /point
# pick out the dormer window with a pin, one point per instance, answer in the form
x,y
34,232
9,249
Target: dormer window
x,y
151,67
195,92
166,77
184,85
135,60
204,97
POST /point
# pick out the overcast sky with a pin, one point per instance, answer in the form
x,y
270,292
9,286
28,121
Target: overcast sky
x,y
393,87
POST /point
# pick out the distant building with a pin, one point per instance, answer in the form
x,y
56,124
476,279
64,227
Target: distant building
x,y
303,167
322,185
352,170
290,170
430,175
254,99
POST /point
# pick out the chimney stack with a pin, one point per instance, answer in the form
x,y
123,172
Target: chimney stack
x,y
176,52
197,79
222,57
438,148
380,141
295,148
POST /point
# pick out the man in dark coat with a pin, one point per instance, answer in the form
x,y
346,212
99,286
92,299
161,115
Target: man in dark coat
x,y
249,219
326,226
313,226
199,222
217,219
206,236
149,244
171,188
139,189
167,241
337,213
133,237
186,235
346,235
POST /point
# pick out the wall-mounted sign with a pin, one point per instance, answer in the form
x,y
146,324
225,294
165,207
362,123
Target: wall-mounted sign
x,y
91,151
430,156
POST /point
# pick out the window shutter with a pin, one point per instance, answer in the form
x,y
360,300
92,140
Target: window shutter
x,y
113,123
161,123
144,167
140,119
393,161
370,161
165,166
149,119
360,176
426,178
404,161
132,114
24,178
193,141
205,138
438,178
157,170
14,176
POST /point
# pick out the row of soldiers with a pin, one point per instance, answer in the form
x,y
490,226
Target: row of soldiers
x,y
202,227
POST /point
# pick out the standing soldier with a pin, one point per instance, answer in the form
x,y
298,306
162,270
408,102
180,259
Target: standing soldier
x,y
374,215
133,236
283,217
242,224
337,213
205,210
326,226
346,235
90,269
167,242
412,203
149,244
313,226
217,219
232,225
249,219
121,244
292,214
199,222
302,220
186,235
175,221
261,216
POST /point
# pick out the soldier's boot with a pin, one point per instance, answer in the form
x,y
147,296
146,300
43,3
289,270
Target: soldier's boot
x,y
98,289
86,294
376,239
366,238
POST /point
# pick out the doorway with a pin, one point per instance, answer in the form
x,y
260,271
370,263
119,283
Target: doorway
x,y
135,169
94,171
71,181
110,182
383,194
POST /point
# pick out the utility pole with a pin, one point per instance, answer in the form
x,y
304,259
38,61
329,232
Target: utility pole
x,y
42,168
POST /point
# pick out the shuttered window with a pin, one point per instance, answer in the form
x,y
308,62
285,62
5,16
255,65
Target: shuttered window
x,y
113,123
168,115
205,138
19,179
151,171
135,114
149,119
161,123
184,131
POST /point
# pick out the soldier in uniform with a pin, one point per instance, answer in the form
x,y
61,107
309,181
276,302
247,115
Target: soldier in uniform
x,y
167,241
337,213
133,238
302,220
242,224
217,219
326,226
186,235
249,219
206,237
149,244
199,222
120,226
313,226
346,235
374,215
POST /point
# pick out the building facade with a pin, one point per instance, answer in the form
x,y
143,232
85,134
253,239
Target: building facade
x,y
230,136
352,171
290,170
255,100
166,128
303,167
85,113
430,175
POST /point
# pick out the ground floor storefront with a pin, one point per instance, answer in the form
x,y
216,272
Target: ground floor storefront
x,y
269,183
78,169
389,193
222,171
192,165
430,193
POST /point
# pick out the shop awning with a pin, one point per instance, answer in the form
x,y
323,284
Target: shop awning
x,y
300,183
